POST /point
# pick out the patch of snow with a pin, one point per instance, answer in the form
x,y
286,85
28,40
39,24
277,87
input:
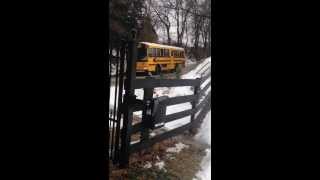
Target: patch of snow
x,y
178,147
204,136
148,165
196,72
114,52
189,62
205,173
138,114
139,93
160,165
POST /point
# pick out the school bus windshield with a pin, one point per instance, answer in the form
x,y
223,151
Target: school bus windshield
x,y
142,53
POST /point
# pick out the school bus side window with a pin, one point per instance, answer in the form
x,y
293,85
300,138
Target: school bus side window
x,y
150,52
167,52
154,52
158,52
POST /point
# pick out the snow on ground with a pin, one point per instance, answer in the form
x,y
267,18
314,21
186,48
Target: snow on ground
x,y
204,136
189,62
178,147
205,173
148,165
160,165
196,72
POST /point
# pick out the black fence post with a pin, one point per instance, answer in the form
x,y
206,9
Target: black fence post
x,y
106,98
147,113
194,103
119,112
130,99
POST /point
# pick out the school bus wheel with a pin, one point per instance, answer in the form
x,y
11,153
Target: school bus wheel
x,y
178,68
157,70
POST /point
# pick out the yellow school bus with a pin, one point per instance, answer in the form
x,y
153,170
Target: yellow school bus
x,y
156,58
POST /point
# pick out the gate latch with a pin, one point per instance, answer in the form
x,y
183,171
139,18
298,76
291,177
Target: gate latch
x,y
158,112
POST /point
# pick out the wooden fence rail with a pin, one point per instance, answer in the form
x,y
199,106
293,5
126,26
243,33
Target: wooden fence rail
x,y
157,109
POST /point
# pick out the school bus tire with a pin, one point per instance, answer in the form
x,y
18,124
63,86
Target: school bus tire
x,y
157,70
178,68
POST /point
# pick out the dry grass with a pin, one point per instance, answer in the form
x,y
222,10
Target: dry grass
x,y
183,166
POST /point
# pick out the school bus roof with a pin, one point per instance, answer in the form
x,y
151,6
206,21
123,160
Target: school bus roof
x,y
161,46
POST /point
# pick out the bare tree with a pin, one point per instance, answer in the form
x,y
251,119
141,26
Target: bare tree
x,y
199,24
163,14
197,20
206,26
181,15
191,20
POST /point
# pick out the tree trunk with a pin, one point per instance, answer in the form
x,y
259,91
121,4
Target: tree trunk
x,y
168,34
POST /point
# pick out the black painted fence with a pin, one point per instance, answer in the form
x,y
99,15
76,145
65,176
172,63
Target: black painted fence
x,y
157,109
119,117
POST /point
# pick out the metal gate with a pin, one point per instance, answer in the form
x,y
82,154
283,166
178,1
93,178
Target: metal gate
x,y
121,76
117,57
